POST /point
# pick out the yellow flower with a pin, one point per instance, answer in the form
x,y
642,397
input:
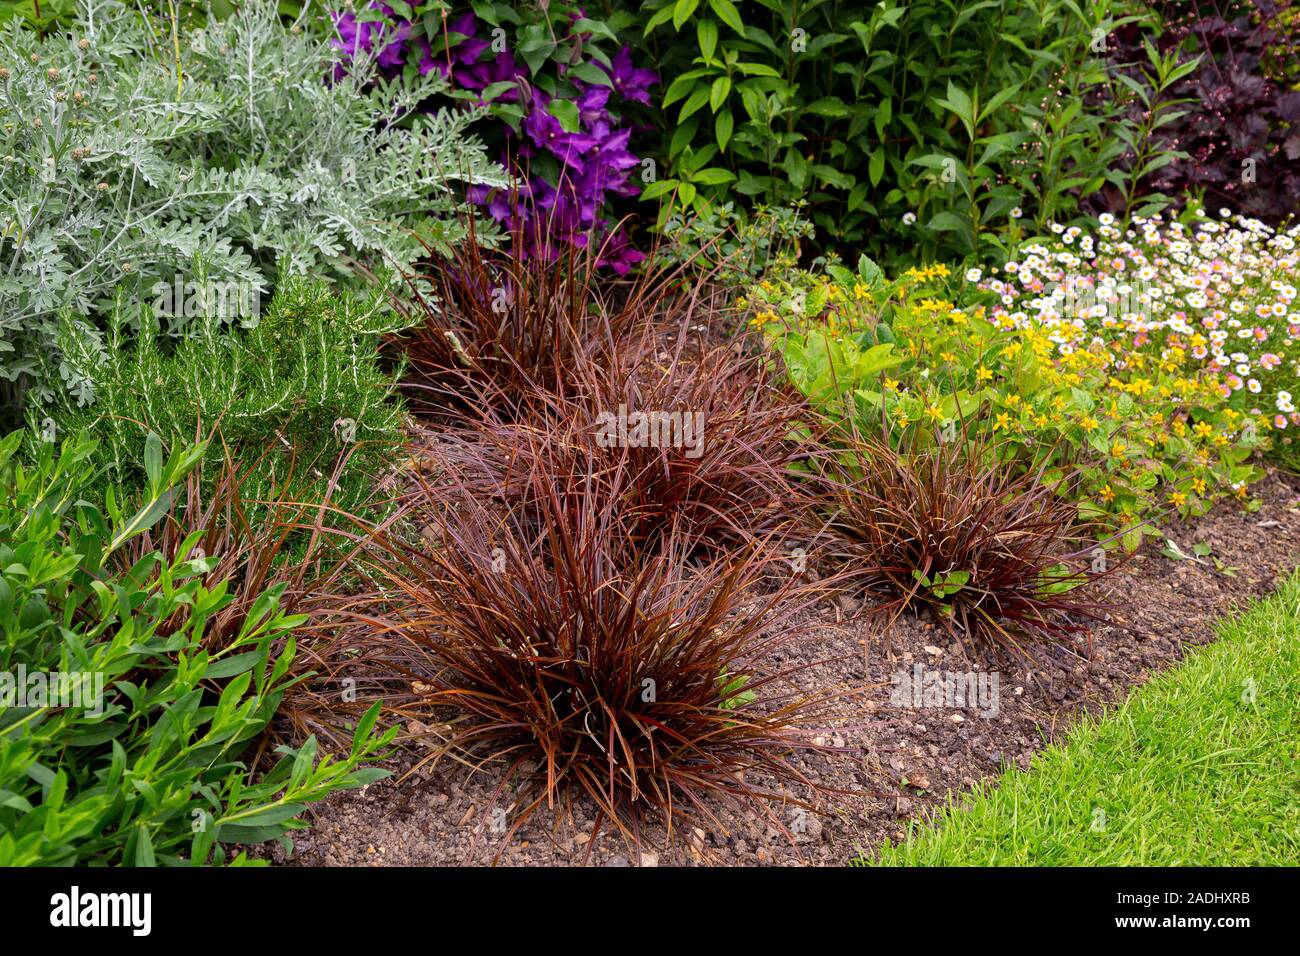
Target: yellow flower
x,y
935,412
1089,423
982,374
1203,429
1106,493
1178,498
891,384
1003,421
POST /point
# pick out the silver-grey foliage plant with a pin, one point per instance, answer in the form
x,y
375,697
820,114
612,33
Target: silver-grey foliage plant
x,y
129,156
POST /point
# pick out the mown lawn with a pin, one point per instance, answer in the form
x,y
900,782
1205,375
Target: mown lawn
x,y
1200,767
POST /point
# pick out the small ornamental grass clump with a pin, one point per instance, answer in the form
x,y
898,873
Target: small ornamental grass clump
x,y
581,665
248,546
994,551
488,326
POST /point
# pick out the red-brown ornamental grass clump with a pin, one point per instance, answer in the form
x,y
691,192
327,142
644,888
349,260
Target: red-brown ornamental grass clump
x,y
581,666
490,324
704,443
992,549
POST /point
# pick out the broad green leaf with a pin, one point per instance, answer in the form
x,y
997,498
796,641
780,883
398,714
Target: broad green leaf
x,y
723,124
706,32
728,14
682,11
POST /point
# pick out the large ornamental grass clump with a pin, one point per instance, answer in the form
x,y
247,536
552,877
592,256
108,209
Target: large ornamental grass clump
x,y
638,677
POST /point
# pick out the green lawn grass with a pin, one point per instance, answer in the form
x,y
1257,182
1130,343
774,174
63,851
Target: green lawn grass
x,y
1200,767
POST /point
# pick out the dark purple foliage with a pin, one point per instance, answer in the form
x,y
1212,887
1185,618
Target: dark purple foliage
x,y
1241,128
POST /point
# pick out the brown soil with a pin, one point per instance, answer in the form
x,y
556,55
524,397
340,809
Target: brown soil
x,y
889,763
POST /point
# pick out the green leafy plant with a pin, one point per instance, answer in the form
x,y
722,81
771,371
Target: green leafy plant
x,y
1147,413
40,14
305,381
734,246
733,692
1151,84
944,585
121,733
921,125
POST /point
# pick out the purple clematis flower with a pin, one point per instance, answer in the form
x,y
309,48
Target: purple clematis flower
x,y
619,254
502,68
464,53
467,51
593,102
596,162
545,130
356,37
631,82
